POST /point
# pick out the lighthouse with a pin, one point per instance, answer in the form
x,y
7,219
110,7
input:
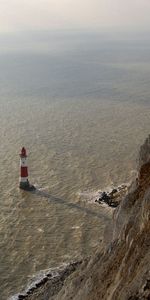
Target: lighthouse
x,y
24,182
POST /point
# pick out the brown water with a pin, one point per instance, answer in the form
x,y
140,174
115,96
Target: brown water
x,y
78,143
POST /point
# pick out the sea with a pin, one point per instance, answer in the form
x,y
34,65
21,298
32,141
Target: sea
x,y
80,104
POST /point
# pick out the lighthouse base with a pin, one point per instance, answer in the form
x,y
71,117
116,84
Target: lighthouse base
x,y
26,186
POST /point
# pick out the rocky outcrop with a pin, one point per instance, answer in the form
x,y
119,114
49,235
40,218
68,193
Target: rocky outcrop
x,y
122,270
113,197
50,285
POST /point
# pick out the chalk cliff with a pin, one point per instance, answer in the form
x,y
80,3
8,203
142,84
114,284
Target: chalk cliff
x,y
122,270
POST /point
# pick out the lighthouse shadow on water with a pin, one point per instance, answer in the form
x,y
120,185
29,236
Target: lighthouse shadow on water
x,y
44,194
26,186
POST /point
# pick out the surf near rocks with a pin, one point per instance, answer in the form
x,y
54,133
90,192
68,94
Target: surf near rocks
x,y
52,281
113,197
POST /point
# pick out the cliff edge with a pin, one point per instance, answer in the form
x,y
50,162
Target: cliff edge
x,y
122,270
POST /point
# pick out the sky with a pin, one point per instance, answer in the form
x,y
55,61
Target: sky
x,y
21,15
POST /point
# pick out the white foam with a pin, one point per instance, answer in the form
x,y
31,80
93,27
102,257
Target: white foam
x,y
91,196
88,195
38,278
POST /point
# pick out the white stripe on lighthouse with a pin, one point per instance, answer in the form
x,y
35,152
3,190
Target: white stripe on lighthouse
x,y
23,162
23,179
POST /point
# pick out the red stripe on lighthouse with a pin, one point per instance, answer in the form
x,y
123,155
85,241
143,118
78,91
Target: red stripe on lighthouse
x,y
23,152
24,171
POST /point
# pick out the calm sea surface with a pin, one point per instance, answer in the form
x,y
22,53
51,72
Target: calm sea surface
x,y
80,104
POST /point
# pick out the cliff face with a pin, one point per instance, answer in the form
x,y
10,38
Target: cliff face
x,y
122,270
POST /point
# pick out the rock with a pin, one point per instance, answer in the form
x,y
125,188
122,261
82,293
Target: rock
x,y
44,280
114,191
114,197
30,291
49,275
104,195
21,297
114,204
113,194
38,284
105,198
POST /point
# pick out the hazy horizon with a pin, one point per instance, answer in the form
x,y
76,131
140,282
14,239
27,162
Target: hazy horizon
x,y
16,15
34,25
59,40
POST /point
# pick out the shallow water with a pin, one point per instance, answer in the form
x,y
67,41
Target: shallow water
x,y
81,113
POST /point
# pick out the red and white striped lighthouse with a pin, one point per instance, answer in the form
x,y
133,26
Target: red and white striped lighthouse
x,y
24,182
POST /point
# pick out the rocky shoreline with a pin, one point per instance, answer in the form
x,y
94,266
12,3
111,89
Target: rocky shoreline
x,y
113,197
51,283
